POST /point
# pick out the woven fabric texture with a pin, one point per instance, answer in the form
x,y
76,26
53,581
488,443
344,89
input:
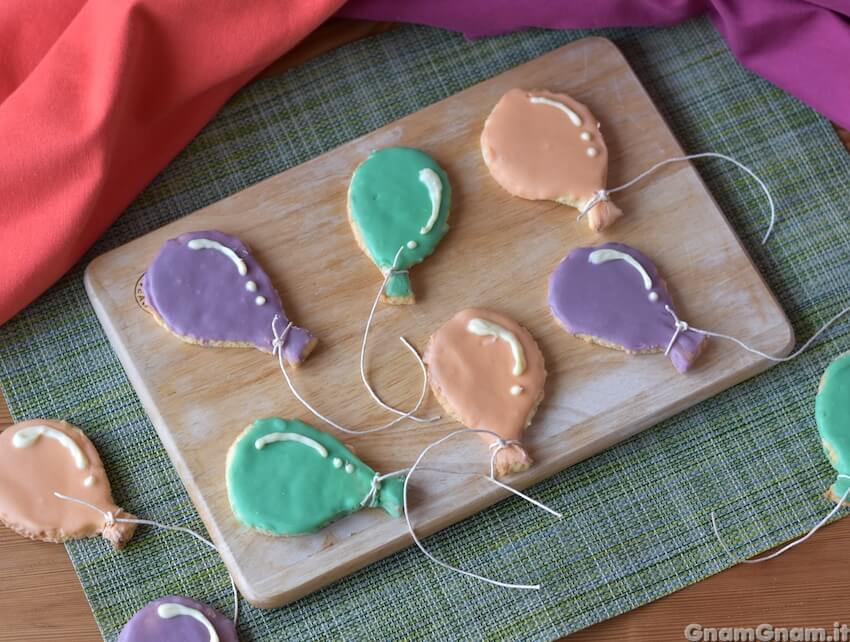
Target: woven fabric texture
x,y
637,516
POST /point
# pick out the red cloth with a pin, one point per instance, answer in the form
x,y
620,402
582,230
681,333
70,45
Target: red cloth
x,y
97,96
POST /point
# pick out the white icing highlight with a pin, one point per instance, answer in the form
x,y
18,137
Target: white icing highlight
x,y
337,462
653,296
169,610
606,254
251,286
592,151
209,244
517,390
574,117
260,300
349,468
273,437
26,437
89,481
484,328
435,192
585,136
412,245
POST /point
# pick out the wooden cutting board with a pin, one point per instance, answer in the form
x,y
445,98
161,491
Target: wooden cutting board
x,y
498,254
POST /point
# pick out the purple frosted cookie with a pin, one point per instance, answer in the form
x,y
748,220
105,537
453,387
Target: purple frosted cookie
x,y
207,288
613,295
178,619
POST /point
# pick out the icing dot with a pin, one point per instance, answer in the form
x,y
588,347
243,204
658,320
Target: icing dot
x,y
349,468
337,462
251,286
89,481
517,390
592,151
260,300
653,296
412,245
585,136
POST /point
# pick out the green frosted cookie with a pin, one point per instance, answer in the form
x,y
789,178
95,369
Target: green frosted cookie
x,y
287,478
399,199
832,413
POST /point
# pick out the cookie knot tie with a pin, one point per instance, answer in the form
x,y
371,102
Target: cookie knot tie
x,y
279,337
495,447
681,326
371,499
599,197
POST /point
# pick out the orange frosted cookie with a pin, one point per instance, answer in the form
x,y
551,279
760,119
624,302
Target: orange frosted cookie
x,y
487,371
41,457
542,145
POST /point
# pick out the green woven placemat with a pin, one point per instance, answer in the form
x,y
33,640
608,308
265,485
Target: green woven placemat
x,y
637,516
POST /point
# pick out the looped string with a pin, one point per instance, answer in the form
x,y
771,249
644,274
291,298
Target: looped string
x,y
371,499
604,194
277,345
600,196
681,326
790,545
495,447
111,519
405,415
490,478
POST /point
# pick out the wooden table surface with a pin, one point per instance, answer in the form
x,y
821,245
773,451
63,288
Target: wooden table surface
x,y
41,598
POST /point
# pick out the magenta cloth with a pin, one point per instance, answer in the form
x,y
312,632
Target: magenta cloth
x,y
803,46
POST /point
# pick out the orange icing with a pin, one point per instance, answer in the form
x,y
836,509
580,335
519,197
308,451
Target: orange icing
x,y
474,374
30,475
535,151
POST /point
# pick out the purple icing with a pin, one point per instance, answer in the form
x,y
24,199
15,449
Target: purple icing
x,y
609,301
148,626
200,295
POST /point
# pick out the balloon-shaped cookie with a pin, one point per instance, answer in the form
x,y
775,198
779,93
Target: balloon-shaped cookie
x,y
832,413
41,457
487,371
613,295
542,145
285,477
398,206
207,288
178,619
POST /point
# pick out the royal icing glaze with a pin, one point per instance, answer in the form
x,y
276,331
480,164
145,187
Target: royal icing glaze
x,y
285,488
599,295
484,328
537,145
473,376
39,458
178,619
170,610
399,197
26,437
832,414
207,288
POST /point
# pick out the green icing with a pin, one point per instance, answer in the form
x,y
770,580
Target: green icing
x,y
390,205
288,488
832,413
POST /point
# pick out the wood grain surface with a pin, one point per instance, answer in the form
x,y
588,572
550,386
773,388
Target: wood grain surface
x,y
41,599
498,254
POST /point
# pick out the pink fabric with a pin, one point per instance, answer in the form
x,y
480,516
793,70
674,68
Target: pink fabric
x,y
803,46
97,96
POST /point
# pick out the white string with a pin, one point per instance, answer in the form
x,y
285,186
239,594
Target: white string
x,y
111,519
496,446
416,541
603,194
790,545
363,377
277,344
682,326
